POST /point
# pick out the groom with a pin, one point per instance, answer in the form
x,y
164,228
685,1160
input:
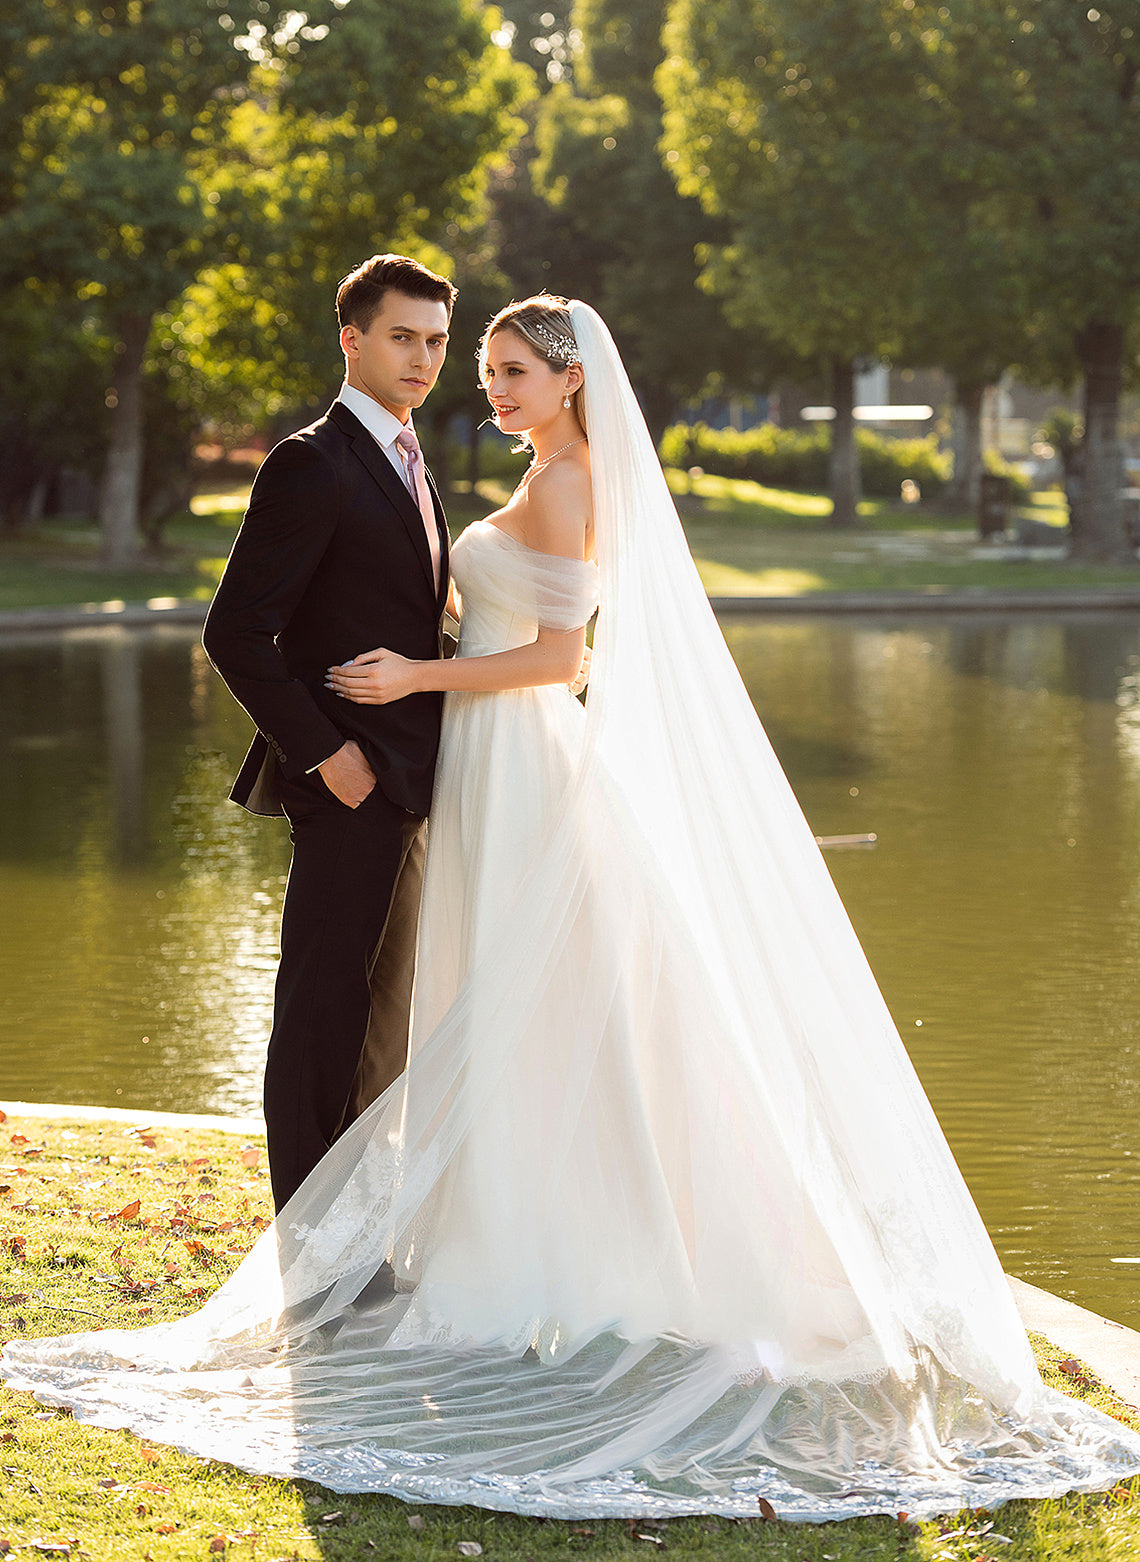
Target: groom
x,y
343,548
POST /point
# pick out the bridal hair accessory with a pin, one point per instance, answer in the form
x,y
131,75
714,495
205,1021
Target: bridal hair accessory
x,y
559,344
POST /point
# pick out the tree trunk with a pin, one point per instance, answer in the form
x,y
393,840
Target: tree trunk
x,y
1098,526
843,462
963,490
122,472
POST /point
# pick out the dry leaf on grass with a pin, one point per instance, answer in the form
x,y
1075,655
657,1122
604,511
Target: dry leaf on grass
x,y
470,1548
415,1521
767,1511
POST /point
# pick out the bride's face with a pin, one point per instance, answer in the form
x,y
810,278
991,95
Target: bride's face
x,y
524,390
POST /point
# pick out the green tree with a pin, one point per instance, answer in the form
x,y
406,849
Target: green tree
x,y
1046,115
191,139
821,229
976,164
628,241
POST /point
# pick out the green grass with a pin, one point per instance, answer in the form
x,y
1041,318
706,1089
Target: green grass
x,y
102,1225
748,541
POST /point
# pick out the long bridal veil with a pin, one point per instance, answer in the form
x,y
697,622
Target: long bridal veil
x,y
659,1219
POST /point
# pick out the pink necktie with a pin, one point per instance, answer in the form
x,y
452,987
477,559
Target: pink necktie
x,y
417,483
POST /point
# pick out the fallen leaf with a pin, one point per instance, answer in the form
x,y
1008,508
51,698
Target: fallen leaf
x,y
17,1299
148,1454
4,1119
109,1483
141,1510
19,1139
767,1511
152,1486
218,1543
165,1529
653,1539
470,1548
129,1211
335,1517
415,1521
8,1437
250,1156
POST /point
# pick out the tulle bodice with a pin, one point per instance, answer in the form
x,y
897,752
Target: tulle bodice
x,y
508,590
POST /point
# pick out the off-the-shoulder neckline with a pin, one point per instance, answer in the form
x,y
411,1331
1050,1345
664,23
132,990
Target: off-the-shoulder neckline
x,y
526,547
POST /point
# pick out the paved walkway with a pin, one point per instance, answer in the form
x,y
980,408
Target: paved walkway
x,y
1110,1349
958,599
101,615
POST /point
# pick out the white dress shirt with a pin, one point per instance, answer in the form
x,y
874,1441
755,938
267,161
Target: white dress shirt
x,y
383,425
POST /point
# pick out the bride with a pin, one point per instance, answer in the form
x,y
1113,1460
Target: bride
x,y
658,1220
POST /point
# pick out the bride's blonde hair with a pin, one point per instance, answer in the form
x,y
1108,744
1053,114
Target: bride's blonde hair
x,y
545,325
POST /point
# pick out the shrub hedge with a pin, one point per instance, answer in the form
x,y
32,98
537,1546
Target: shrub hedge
x,y
797,458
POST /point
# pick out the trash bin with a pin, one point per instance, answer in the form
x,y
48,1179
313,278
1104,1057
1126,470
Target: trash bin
x,y
993,504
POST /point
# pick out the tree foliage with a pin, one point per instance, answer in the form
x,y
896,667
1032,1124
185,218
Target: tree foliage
x,y
223,165
624,238
956,180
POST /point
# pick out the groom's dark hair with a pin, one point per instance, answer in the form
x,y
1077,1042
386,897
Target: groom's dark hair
x,y
361,293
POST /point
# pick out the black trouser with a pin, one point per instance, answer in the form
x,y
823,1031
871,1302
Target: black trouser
x,y
343,994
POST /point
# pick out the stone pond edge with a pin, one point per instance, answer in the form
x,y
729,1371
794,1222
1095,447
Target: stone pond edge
x,y
977,599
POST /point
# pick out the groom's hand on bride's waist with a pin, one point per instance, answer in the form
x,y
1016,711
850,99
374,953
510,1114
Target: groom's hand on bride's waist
x,y
348,775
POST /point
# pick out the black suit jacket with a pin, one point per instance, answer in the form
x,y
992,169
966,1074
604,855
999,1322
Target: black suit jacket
x,y
331,560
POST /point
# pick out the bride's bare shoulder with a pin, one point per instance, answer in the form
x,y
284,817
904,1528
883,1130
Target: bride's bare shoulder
x,y
559,508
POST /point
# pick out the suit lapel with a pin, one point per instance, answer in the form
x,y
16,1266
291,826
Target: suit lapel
x,y
444,540
365,448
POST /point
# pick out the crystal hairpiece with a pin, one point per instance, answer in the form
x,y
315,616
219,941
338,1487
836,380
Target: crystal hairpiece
x,y
559,344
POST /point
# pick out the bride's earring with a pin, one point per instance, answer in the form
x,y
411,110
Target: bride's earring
x,y
566,401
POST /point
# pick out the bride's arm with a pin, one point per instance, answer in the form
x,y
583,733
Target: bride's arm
x,y
379,677
554,525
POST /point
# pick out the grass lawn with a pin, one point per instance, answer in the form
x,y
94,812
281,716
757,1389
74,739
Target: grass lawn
x,y
748,541
104,1225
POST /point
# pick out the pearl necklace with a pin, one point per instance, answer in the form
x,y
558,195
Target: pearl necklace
x,y
537,466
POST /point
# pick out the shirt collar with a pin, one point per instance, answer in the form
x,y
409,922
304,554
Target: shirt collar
x,y
383,425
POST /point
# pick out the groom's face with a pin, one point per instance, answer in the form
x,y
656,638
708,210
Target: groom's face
x,y
398,359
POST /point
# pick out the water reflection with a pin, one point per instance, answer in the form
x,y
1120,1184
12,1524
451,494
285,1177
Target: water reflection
x,y
998,761
999,764
141,906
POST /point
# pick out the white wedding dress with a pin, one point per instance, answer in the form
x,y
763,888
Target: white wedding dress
x,y
658,1220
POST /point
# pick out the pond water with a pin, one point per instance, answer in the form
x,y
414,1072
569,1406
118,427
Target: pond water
x,y
997,760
